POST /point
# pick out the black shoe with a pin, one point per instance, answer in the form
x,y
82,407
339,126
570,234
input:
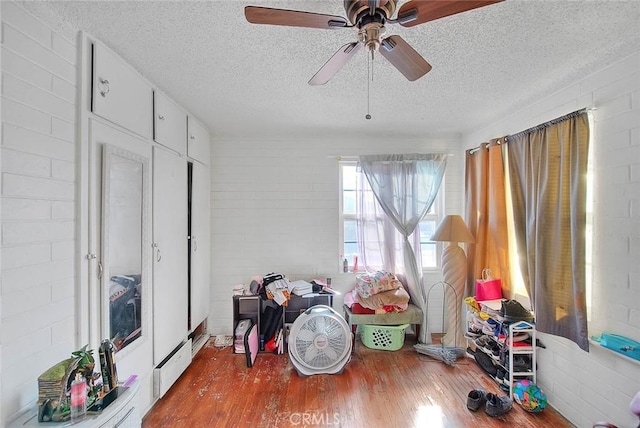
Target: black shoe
x,y
485,362
476,399
513,311
498,406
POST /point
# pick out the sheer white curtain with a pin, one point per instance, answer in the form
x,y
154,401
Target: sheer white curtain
x,y
400,191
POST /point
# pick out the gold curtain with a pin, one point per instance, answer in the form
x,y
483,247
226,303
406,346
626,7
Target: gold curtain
x,y
548,175
486,215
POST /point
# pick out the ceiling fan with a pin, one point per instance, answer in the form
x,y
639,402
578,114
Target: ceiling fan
x,y
369,17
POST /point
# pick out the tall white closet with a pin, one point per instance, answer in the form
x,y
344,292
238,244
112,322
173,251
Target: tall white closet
x,y
123,109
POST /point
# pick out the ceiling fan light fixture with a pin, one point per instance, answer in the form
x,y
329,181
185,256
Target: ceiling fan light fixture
x,y
371,36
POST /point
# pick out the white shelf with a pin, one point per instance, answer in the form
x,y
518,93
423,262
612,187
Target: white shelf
x,y
530,329
512,330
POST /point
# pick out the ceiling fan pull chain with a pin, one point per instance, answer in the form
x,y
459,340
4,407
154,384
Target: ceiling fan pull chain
x,y
369,78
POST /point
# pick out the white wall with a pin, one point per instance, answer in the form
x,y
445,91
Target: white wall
x,y
274,207
38,204
595,386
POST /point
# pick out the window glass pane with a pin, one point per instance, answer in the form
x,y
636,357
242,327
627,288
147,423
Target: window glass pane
x,y
349,177
349,201
429,255
349,250
350,234
427,228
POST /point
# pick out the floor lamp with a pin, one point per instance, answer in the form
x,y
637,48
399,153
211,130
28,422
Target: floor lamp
x,y
454,269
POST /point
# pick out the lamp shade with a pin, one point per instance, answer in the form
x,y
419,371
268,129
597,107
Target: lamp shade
x,y
452,229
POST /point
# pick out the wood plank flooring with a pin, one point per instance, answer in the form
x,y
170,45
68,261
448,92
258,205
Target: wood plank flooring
x,y
376,389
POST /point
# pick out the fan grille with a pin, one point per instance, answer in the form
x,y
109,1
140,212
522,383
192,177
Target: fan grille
x,y
320,342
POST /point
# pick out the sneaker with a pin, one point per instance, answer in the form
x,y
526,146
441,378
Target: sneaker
x,y
476,399
513,311
498,405
485,362
502,378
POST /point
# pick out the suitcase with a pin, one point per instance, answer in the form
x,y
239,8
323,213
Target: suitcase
x,y
251,344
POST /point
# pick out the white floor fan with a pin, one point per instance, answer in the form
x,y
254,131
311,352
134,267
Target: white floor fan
x,y
319,342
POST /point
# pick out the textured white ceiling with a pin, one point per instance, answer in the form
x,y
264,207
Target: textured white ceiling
x,y
248,81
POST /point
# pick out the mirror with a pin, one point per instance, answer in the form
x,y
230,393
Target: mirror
x,y
123,215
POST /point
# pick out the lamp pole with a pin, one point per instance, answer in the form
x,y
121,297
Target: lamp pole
x,y
454,271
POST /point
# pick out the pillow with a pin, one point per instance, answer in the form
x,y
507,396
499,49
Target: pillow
x,y
369,285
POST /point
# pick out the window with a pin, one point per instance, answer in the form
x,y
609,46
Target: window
x,y
349,176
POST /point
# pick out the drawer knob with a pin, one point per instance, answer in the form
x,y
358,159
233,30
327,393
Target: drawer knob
x,y
161,117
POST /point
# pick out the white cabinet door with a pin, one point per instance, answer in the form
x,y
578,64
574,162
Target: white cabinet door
x,y
120,94
198,141
169,123
170,288
200,244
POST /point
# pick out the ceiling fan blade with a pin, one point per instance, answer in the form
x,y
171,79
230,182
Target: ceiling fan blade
x,y
335,63
404,57
293,18
417,12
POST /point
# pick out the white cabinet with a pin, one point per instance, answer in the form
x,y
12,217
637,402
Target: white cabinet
x,y
170,292
169,123
197,141
200,244
119,93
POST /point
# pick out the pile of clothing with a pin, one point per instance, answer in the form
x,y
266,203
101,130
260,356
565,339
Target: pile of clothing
x,y
378,293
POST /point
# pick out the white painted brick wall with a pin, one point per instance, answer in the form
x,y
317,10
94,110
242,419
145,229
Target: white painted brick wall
x,y
275,208
37,206
598,386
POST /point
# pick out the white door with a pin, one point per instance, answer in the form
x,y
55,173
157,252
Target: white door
x,y
169,123
170,288
200,244
120,94
95,298
198,142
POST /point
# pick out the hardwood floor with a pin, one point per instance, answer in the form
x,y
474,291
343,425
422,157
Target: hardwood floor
x,y
376,389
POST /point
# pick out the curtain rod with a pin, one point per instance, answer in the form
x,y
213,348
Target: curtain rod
x,y
548,123
497,141
356,158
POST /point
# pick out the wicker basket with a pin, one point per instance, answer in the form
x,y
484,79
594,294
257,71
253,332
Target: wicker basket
x,y
387,337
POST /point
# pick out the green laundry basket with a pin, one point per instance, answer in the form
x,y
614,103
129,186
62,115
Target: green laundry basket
x,y
387,337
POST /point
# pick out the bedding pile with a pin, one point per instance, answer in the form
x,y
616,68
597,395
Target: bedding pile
x,y
379,293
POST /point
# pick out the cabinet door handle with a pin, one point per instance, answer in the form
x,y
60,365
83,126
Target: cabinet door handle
x,y
158,255
193,137
100,270
104,87
161,117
